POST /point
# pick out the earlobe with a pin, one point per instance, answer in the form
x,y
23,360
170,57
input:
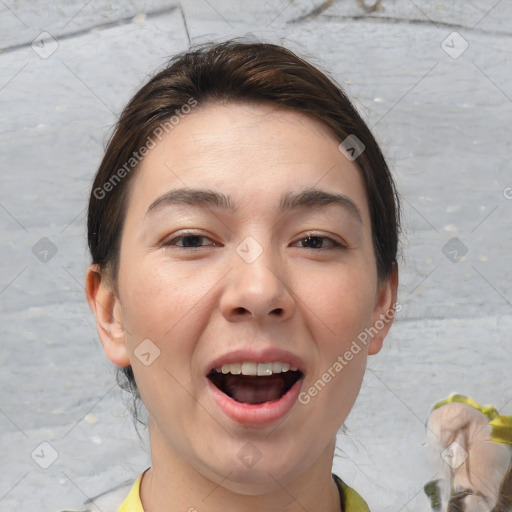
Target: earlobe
x,y
109,316
384,310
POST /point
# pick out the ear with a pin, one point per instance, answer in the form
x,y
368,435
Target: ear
x,y
109,316
384,310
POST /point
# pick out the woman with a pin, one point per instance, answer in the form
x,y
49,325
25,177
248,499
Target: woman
x,y
243,227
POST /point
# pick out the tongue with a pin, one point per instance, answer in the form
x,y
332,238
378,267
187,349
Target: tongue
x,y
254,390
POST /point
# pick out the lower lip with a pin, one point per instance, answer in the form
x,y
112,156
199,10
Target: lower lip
x,y
263,414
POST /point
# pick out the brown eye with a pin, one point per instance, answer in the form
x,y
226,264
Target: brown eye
x,y
320,242
189,241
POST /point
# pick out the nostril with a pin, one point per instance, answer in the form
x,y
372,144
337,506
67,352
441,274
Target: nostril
x,y
243,311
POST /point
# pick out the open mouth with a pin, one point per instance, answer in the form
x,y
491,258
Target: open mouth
x,y
255,383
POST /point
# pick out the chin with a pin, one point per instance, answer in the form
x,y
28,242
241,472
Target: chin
x,y
255,482
250,472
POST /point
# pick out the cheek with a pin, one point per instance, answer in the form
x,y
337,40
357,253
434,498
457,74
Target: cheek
x,y
339,309
342,303
332,391
168,304
156,298
162,305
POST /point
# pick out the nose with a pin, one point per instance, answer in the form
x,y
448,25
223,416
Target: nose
x,y
257,287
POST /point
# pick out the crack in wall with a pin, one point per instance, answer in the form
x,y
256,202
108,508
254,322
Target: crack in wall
x,y
101,26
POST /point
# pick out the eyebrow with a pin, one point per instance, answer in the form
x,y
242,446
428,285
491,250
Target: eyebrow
x,y
309,198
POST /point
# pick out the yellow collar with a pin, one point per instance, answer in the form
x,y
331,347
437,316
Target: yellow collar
x,y
132,502
352,502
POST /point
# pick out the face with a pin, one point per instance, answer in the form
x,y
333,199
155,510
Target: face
x,y
247,248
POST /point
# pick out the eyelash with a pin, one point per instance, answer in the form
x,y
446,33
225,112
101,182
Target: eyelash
x,y
309,236
167,243
334,243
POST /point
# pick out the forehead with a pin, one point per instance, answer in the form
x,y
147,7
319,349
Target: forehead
x,y
251,152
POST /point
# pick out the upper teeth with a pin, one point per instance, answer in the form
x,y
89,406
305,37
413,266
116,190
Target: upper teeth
x,y
251,368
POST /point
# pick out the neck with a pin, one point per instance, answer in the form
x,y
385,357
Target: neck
x,y
172,484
